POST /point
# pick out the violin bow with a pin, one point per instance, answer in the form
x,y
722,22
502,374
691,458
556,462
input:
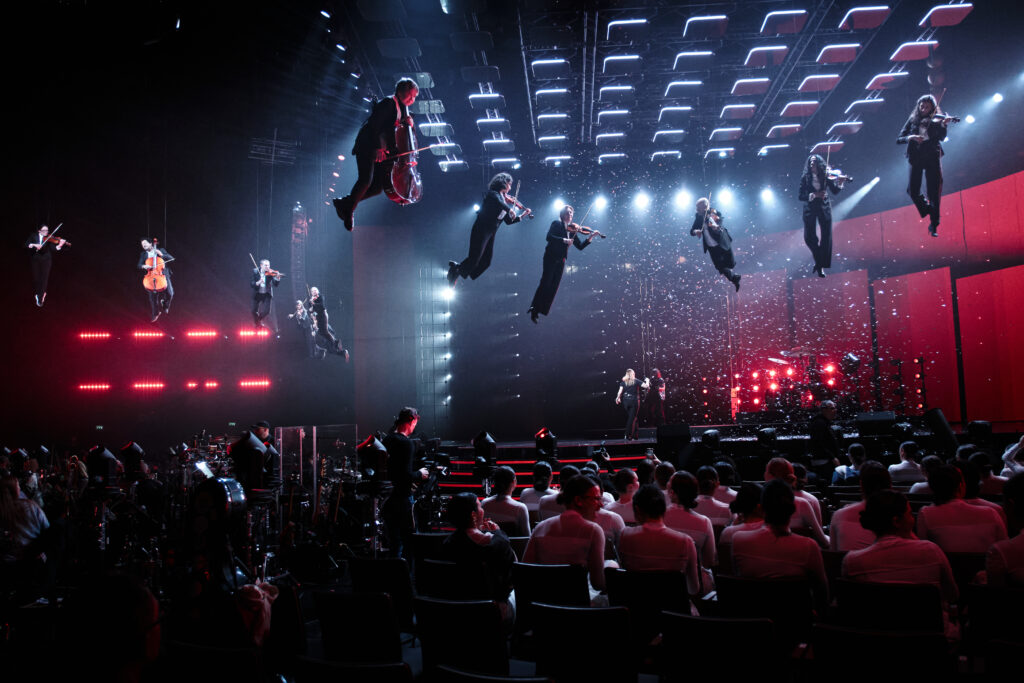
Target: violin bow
x,y
253,261
55,230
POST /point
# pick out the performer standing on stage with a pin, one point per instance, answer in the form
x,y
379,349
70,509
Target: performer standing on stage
x,y
555,253
814,184
321,325
41,259
159,299
374,140
717,242
497,206
264,279
656,398
629,398
923,134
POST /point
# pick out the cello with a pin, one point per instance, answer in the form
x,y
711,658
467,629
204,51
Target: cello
x,y
402,182
155,280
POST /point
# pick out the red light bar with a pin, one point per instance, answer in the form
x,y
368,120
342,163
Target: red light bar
x,y
212,384
191,385
249,333
94,386
94,335
148,386
254,383
201,334
147,334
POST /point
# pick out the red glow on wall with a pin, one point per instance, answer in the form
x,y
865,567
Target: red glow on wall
x,y
773,386
213,384
247,333
94,386
147,334
254,383
830,368
148,386
201,334
191,385
94,335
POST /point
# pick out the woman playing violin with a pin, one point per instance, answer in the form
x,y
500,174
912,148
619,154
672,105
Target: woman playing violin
x,y
264,279
560,235
497,206
41,247
153,260
815,184
923,134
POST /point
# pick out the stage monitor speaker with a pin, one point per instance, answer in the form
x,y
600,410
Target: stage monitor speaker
x,y
679,430
875,424
945,438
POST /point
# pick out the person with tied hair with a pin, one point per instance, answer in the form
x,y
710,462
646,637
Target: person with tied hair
x,y
726,478
551,504
376,138
653,546
929,464
845,531
663,472
570,538
561,234
626,484
923,134
707,505
541,486
748,514
629,398
804,521
1004,561
953,524
510,514
683,517
815,184
611,523
479,544
907,471
497,207
800,481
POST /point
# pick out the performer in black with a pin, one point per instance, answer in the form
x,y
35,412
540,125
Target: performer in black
x,y
923,134
397,509
41,247
814,184
304,322
373,142
321,325
656,398
629,398
159,300
560,235
264,279
717,242
497,206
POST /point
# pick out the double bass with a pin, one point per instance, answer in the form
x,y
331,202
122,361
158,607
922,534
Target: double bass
x,y
402,182
155,280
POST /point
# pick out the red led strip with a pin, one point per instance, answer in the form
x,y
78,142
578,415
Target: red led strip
x,y
248,334
148,386
147,335
96,386
201,334
94,335
254,383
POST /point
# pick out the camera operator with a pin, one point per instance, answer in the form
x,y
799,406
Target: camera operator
x,y
397,510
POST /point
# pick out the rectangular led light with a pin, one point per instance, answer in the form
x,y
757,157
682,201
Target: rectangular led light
x,y
767,148
550,117
616,88
676,109
620,23
547,62
551,91
783,130
674,131
721,152
690,54
619,58
681,84
484,95
601,158
611,112
779,14
696,20
599,136
551,138
869,101
666,153
557,158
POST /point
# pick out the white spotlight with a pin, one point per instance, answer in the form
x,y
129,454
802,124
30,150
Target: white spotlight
x,y
875,179
683,199
448,293
601,202
997,98
559,205
642,200
767,196
969,118
476,207
724,196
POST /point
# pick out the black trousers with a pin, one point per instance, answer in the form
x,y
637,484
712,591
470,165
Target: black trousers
x,y
655,408
370,181
632,427
261,306
932,170
41,273
160,301
821,248
554,266
481,250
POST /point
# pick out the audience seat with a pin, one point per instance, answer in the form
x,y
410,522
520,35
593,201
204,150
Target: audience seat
x,y
518,544
849,655
465,634
309,670
449,674
358,627
554,584
787,602
575,644
451,581
646,594
705,648
897,606
386,575
994,614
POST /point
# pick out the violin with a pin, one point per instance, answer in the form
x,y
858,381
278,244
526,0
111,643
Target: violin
x,y
56,240
836,174
583,230
273,273
945,118
516,203
402,182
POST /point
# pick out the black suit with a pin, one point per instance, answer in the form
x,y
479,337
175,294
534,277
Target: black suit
x,y
377,132
555,254
818,211
41,260
323,327
492,212
262,294
924,157
397,509
716,242
159,301
824,448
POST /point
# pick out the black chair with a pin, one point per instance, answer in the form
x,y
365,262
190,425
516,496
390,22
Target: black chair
x,y
646,594
965,567
896,606
789,603
309,670
386,575
201,663
995,614
565,638
451,581
358,627
833,561
849,655
425,546
553,584
468,635
448,674
519,544
702,648
1003,658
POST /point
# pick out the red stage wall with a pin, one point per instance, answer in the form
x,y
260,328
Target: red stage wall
x,y
914,318
762,312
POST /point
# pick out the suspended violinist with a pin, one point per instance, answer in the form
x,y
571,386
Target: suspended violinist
x,y
322,327
154,260
716,240
498,205
923,134
374,141
815,184
41,245
561,234
264,279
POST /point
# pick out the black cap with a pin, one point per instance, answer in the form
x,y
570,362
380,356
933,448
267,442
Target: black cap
x,y
262,423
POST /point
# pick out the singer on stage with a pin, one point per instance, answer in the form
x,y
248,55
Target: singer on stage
x,y
629,398
560,236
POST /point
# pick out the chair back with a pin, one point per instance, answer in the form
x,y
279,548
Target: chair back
x,y
646,594
452,581
358,627
704,643
565,638
450,674
995,614
425,546
386,575
309,670
965,567
897,606
833,561
464,634
849,655
787,602
519,544
553,584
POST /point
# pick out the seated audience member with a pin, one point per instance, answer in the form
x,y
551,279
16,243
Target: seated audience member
x,y
22,522
972,487
593,470
683,517
846,475
845,531
747,511
773,551
954,525
964,452
550,505
707,505
1013,458
479,545
508,513
541,486
907,471
627,484
611,523
804,521
990,484
1004,563
662,473
645,470
800,472
726,479
653,546
570,538
929,463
